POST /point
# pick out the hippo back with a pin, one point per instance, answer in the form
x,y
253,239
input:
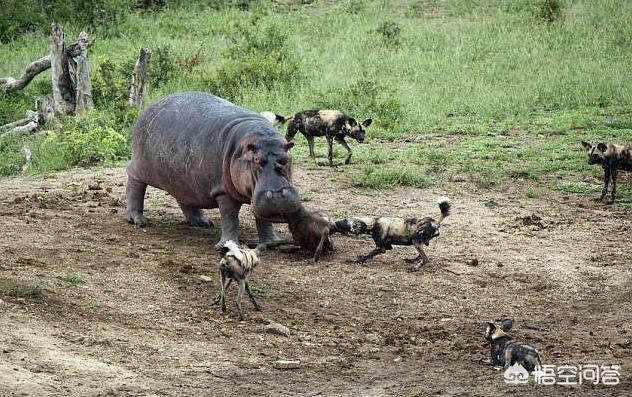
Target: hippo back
x,y
180,143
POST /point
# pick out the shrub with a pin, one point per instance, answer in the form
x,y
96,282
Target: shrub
x,y
260,58
363,98
391,32
163,66
549,10
111,82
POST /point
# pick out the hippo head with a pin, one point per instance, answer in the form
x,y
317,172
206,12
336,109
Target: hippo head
x,y
262,170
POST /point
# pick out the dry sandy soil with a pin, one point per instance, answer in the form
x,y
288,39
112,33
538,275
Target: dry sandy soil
x,y
142,322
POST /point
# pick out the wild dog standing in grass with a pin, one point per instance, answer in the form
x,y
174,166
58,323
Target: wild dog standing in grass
x,y
505,352
332,124
387,232
612,159
237,264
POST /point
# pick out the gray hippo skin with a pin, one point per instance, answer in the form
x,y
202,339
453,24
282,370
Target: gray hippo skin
x,y
208,153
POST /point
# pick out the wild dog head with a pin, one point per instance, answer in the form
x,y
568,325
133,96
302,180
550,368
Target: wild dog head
x,y
597,153
357,130
353,225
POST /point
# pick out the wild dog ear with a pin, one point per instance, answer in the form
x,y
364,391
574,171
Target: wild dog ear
x,y
586,145
289,146
224,250
367,123
352,122
489,331
602,147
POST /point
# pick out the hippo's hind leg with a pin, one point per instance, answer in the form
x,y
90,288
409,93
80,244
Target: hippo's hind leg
x,y
195,216
135,193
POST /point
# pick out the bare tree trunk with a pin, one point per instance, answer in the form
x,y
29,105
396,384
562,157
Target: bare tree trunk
x,y
80,76
32,70
63,92
138,91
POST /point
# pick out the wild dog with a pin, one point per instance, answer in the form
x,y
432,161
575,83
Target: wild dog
x,y
332,124
237,264
612,159
310,230
505,352
275,119
387,232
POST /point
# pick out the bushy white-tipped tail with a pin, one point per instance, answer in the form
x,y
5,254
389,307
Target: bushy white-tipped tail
x,y
444,207
271,117
233,248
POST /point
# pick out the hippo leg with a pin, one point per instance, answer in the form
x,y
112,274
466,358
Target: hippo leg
x,y
195,216
229,212
266,231
135,192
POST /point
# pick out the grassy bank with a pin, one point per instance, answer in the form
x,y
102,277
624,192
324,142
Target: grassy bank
x,y
490,91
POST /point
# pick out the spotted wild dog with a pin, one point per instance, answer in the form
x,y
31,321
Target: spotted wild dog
x,y
332,124
505,351
612,159
310,230
237,264
387,232
274,118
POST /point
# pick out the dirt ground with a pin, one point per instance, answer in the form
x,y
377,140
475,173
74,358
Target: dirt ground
x,y
139,321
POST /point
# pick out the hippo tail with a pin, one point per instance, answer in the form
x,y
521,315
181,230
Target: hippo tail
x,y
444,207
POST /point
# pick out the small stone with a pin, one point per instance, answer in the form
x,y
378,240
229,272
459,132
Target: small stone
x,y
473,262
205,278
277,329
287,364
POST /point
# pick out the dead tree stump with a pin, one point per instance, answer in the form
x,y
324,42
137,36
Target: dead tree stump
x,y
72,88
138,90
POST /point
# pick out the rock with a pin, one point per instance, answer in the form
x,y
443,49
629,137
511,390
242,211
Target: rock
x,y
205,278
277,329
287,364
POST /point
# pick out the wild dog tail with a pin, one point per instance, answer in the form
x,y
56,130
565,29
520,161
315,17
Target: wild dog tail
x,y
275,119
444,207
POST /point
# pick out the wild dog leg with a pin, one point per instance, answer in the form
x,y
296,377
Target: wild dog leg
x,y
219,296
346,146
614,185
330,151
241,286
310,143
375,252
606,181
321,246
252,297
421,259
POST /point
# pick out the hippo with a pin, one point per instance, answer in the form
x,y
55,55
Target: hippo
x,y
209,153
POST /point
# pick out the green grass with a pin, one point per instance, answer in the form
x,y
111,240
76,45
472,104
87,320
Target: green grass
x,y
72,279
18,290
495,90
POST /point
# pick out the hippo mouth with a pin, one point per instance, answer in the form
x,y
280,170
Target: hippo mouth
x,y
274,206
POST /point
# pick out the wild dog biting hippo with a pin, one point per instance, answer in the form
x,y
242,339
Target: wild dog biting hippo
x,y
612,158
334,125
208,153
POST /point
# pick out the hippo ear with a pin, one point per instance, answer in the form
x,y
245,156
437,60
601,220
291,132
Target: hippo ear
x,y
289,146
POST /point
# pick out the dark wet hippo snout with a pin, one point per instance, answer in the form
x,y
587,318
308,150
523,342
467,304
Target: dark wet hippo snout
x,y
273,204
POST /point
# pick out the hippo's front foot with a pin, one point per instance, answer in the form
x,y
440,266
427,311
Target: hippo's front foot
x,y
266,231
136,218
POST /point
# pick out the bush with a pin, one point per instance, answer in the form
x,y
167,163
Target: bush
x,y
111,82
391,32
260,58
549,10
365,98
163,66
21,16
86,140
